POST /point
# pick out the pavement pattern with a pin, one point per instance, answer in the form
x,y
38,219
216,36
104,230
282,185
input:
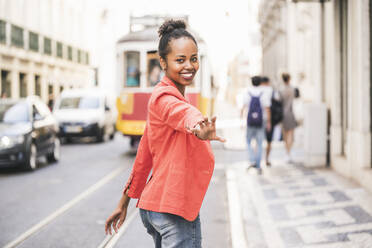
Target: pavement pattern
x,y
293,206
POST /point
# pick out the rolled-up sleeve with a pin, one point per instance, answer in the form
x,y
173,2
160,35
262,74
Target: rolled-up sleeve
x,y
176,113
141,169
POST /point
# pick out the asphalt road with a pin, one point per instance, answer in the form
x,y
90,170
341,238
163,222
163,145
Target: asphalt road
x,y
67,203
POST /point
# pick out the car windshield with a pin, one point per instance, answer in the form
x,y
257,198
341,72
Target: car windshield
x,y
14,112
79,103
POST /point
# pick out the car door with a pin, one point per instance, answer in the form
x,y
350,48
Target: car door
x,y
49,124
40,126
37,129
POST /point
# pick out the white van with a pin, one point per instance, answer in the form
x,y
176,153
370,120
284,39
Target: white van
x,y
85,113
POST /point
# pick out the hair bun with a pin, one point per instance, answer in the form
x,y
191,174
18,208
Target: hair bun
x,y
171,25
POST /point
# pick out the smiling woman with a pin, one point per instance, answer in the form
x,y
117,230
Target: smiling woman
x,y
174,147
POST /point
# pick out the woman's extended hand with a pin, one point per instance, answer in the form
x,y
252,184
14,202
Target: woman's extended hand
x,y
116,220
206,130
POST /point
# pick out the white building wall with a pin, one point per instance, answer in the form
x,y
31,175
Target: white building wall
x,y
356,162
350,156
291,43
66,21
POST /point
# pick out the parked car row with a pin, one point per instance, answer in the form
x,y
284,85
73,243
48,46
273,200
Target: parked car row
x,y
28,129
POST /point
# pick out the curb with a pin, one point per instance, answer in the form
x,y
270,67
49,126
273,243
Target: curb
x,y
235,212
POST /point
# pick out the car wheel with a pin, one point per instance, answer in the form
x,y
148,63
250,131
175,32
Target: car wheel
x,y
31,162
56,154
101,135
113,133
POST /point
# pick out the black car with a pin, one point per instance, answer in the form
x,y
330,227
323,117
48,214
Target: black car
x,y
28,130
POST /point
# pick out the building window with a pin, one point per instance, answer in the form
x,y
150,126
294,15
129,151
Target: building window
x,y
2,32
22,85
59,50
6,86
33,41
47,46
17,36
79,56
69,51
50,89
37,85
87,58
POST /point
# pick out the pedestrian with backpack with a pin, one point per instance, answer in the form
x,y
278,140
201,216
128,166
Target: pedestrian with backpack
x,y
276,113
257,105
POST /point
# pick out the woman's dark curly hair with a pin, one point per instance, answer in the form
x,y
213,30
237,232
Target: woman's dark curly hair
x,y
171,29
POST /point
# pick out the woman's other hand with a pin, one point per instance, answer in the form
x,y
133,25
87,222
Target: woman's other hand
x,y
115,220
117,217
206,130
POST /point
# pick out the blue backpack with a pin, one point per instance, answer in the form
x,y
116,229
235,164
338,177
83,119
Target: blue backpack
x,y
255,116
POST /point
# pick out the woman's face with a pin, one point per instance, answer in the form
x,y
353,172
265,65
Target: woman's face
x,y
182,61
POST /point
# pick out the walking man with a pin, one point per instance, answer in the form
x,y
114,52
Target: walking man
x,y
257,104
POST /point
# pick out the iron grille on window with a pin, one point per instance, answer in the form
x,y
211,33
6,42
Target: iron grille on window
x,y
34,41
59,50
17,36
47,46
2,32
69,52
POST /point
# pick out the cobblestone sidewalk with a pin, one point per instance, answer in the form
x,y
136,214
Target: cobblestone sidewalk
x,y
292,206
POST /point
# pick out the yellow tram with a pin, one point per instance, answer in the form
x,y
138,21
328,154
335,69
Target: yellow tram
x,y
138,71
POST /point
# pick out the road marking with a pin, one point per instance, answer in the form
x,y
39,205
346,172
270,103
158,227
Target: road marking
x,y
110,241
64,208
235,212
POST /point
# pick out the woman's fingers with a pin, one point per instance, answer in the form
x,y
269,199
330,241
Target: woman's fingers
x,y
114,224
214,118
122,218
220,139
108,227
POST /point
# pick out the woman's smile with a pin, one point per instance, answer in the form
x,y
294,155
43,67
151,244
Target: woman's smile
x,y
188,75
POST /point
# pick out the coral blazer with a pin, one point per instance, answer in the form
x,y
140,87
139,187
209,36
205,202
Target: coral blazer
x,y
182,165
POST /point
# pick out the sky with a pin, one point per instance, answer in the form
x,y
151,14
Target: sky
x,y
226,26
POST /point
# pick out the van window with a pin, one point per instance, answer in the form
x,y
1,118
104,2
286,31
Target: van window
x,y
79,103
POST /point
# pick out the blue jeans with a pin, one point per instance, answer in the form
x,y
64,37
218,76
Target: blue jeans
x,y
172,231
258,134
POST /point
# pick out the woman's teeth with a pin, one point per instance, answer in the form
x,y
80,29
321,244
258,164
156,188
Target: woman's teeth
x,y
186,75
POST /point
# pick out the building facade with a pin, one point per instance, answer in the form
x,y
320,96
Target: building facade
x,y
325,45
291,43
43,47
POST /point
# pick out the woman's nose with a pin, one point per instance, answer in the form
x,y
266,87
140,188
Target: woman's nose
x,y
188,65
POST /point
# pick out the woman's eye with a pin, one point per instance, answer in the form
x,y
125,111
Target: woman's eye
x,y
180,60
194,59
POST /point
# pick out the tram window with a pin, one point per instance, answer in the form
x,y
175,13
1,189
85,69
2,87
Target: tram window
x,y
154,72
132,63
